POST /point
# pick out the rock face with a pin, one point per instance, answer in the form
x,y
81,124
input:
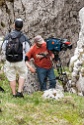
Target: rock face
x,y
49,18
77,61
57,18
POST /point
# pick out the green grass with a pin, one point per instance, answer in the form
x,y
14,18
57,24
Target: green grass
x,y
34,110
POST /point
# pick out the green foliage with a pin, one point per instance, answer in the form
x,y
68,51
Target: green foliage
x,y
34,110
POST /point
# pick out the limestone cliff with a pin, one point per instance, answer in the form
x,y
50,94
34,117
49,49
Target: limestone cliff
x,y
57,18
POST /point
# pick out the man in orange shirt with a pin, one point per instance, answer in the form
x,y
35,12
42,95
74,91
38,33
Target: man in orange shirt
x,y
42,60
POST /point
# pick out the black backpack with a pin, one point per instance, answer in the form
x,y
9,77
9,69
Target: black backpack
x,y
14,49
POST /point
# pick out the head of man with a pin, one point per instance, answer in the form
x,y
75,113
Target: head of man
x,y
18,24
38,40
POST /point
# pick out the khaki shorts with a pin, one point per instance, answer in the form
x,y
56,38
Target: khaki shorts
x,y
11,69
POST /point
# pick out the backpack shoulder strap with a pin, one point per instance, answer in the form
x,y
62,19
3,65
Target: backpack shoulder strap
x,y
9,36
26,39
19,35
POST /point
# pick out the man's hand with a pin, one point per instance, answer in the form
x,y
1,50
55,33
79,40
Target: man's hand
x,y
52,56
30,67
32,70
39,56
42,55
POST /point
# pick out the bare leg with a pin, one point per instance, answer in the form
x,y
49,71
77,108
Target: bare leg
x,y
21,84
13,86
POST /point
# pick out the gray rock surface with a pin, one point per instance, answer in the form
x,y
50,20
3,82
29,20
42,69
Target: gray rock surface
x,y
57,18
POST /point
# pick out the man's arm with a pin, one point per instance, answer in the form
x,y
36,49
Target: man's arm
x,y
28,65
3,46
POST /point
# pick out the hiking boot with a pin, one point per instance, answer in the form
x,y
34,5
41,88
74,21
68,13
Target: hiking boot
x,y
14,96
19,94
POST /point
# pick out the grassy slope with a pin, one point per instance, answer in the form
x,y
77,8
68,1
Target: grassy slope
x,y
34,110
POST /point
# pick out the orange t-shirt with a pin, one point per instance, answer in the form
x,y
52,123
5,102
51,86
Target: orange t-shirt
x,y
40,62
